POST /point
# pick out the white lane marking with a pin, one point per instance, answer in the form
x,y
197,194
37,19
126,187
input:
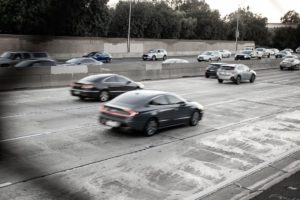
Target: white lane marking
x,y
5,184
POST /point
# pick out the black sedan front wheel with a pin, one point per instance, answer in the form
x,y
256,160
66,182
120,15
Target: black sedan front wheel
x,y
151,127
195,118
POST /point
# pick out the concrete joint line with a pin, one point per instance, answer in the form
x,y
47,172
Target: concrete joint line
x,y
284,171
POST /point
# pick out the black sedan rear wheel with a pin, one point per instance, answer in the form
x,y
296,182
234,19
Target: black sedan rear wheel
x,y
151,127
195,118
104,96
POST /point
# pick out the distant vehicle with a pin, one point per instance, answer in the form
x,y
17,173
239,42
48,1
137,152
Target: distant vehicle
x,y
11,58
103,86
209,56
290,63
281,54
273,51
290,56
236,73
297,50
99,56
247,55
212,69
36,63
225,53
289,50
263,52
149,110
155,54
249,48
174,60
83,61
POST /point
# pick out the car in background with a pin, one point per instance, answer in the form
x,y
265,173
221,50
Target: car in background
x,y
281,54
297,50
103,86
236,73
99,56
83,61
175,60
212,69
263,52
247,55
36,63
249,48
273,51
289,50
149,110
290,63
290,56
209,56
225,53
11,58
155,54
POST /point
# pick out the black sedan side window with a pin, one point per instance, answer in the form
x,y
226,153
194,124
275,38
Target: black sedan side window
x,y
121,79
159,101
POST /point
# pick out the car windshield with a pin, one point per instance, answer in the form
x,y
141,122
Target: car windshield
x,y
207,53
7,55
129,100
227,68
246,52
151,51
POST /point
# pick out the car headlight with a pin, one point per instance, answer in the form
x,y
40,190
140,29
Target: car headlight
x,y
140,85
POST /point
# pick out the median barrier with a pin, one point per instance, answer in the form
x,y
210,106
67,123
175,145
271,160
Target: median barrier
x,y
61,76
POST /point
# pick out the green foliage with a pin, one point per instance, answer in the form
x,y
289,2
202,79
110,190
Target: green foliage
x,y
291,17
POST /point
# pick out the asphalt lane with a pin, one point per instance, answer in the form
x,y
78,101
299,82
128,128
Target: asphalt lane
x,y
56,137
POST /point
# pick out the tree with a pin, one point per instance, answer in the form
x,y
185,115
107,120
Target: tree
x,y
291,17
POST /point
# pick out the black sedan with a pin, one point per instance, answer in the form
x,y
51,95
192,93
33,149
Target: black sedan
x,y
103,86
149,110
212,69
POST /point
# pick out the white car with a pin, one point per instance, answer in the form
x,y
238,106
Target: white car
x,y
155,54
290,56
290,63
210,56
174,60
83,61
263,52
225,53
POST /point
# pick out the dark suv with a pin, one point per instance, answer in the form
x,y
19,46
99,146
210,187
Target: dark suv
x,y
9,58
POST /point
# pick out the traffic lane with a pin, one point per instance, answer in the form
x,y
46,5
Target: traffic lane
x,y
224,109
182,168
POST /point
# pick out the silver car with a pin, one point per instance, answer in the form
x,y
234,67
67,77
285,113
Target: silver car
x,y
290,63
236,73
210,56
155,54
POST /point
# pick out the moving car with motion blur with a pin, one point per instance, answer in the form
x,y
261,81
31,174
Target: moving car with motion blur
x,y
290,63
11,58
149,110
155,54
103,86
236,73
281,54
209,56
212,69
247,55
83,61
36,63
273,51
99,56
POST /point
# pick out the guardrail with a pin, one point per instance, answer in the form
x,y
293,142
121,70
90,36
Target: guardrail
x,y
60,76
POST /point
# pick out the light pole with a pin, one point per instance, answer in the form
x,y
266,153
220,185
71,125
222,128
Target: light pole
x,y
237,33
128,34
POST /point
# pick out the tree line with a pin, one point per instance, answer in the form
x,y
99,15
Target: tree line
x,y
171,19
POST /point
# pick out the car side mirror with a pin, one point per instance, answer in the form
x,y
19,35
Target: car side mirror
x,y
182,103
128,82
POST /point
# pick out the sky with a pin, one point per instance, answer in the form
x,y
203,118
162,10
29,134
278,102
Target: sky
x,y
272,9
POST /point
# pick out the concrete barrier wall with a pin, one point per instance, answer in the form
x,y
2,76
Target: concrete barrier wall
x,y
69,47
60,76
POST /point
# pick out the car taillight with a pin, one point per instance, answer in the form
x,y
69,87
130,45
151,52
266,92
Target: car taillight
x,y
72,84
87,86
102,108
131,113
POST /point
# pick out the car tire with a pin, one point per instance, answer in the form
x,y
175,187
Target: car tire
x,y
209,60
238,80
206,76
281,68
252,79
104,96
151,127
195,118
153,58
220,80
235,59
165,57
